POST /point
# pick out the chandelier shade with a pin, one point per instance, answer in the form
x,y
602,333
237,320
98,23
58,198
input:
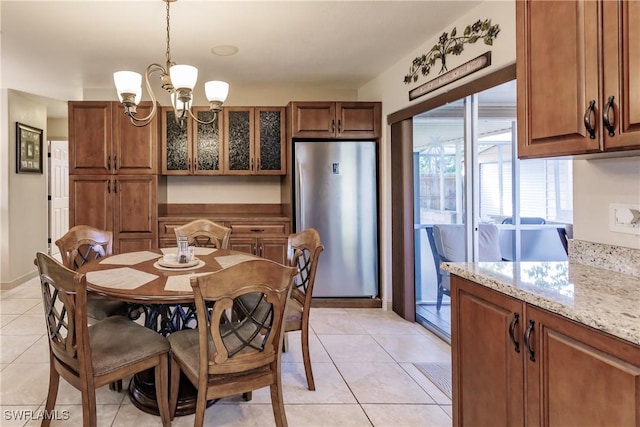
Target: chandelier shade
x,y
178,80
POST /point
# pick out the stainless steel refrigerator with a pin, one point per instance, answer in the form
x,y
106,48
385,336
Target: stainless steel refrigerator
x,y
335,192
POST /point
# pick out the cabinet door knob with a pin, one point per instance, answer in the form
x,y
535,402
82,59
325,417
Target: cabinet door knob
x,y
527,340
339,126
115,162
606,118
512,328
333,125
109,186
109,163
587,119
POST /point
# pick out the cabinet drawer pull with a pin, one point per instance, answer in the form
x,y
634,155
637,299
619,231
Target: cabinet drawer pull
x,y
608,123
587,119
527,340
258,230
512,328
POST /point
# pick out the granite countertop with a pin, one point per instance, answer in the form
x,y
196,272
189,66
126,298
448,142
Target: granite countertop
x,y
602,299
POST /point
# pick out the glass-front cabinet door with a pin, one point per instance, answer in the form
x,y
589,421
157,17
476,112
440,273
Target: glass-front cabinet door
x,y
176,150
192,148
254,140
270,136
239,140
207,142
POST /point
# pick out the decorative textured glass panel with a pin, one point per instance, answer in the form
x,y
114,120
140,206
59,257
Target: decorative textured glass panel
x,y
176,144
208,143
239,140
270,140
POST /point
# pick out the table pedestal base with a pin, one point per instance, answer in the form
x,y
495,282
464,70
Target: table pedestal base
x,y
142,391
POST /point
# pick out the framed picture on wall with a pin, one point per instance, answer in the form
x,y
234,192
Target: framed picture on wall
x,y
28,149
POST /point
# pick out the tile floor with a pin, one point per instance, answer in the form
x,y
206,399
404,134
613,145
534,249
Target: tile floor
x,y
362,363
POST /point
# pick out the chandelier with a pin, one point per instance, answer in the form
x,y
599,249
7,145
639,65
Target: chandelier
x,y
178,80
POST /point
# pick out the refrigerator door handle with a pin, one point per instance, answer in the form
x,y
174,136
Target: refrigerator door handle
x,y
298,186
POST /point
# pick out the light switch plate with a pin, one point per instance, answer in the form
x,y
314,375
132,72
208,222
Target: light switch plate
x,y
624,218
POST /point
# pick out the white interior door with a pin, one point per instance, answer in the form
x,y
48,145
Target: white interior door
x,y
58,192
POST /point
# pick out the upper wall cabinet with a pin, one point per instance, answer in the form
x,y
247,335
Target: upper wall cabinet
x,y
578,79
103,141
194,148
254,141
335,119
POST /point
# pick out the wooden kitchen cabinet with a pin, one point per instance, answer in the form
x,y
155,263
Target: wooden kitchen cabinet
x,y
267,240
254,141
123,204
194,148
580,376
356,120
112,173
577,77
488,368
103,141
516,364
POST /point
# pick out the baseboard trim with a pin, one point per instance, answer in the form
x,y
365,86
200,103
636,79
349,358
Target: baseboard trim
x,y
346,302
6,286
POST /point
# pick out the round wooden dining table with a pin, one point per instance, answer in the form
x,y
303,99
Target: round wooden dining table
x,y
162,297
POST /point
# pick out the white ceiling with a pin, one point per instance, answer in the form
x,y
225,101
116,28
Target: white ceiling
x,y
56,48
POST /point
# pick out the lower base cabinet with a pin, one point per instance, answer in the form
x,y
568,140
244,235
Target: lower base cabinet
x,y
516,364
265,239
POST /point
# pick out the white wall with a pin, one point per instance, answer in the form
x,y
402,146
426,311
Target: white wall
x,y
57,129
4,185
25,205
596,184
389,88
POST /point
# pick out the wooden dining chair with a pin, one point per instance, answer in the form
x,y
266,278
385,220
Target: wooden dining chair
x,y
236,353
82,244
205,233
304,249
89,357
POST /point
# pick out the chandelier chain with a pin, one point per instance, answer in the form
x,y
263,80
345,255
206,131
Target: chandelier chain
x,y
168,37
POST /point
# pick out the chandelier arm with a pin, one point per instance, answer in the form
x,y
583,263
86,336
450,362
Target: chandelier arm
x,y
143,121
202,122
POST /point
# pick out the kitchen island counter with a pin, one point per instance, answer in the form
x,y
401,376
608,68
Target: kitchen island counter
x,y
603,299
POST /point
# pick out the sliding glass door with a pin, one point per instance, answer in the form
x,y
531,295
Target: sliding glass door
x,y
467,179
